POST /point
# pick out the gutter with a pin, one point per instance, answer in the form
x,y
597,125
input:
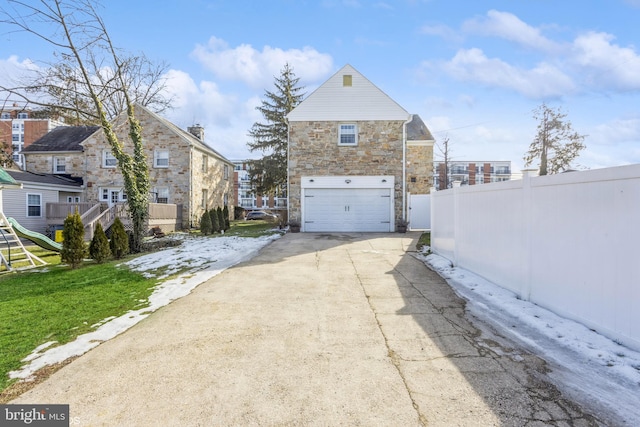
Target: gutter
x,y
404,166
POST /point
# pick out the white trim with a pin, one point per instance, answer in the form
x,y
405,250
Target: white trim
x,y
355,134
27,202
340,181
56,160
108,155
158,154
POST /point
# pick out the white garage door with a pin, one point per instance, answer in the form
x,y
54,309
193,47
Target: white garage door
x,y
348,209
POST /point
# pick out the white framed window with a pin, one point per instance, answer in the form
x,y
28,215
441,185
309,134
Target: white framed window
x,y
104,195
23,115
205,198
73,199
59,165
108,159
5,116
34,205
205,162
162,194
348,134
226,172
161,159
225,199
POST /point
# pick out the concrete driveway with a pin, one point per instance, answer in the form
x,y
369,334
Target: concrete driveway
x,y
318,329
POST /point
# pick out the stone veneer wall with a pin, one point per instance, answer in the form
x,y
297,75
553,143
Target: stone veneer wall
x,y
314,150
419,168
183,168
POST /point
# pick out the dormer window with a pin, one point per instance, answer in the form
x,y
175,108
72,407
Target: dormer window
x,y
348,134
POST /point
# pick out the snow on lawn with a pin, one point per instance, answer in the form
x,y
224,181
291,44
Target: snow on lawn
x,y
196,260
588,365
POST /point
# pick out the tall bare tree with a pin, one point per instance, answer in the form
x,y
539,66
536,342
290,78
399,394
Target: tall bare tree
x,y
556,144
445,154
81,41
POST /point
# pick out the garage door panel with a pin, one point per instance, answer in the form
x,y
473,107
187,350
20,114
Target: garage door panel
x,y
351,209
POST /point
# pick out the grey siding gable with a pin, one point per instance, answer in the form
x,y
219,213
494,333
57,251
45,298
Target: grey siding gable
x,y
361,101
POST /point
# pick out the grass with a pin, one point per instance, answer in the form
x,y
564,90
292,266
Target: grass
x,y
424,240
253,228
56,303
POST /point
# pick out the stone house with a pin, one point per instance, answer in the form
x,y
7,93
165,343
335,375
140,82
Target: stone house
x,y
355,156
183,170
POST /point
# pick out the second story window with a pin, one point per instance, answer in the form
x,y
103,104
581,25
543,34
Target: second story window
x,y
161,159
348,134
59,165
108,160
226,172
205,162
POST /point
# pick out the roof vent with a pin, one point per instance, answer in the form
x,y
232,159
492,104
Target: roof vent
x,y
347,80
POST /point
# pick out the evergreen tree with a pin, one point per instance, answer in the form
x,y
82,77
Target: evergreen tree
x,y
269,174
215,222
119,240
556,144
73,248
220,218
225,214
99,249
205,223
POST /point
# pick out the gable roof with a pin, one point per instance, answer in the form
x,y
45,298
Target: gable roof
x,y
417,130
187,137
62,138
45,178
336,101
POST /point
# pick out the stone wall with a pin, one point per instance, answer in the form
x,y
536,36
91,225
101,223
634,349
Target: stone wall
x,y
419,168
314,150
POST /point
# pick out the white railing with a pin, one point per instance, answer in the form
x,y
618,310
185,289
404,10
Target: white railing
x,y
567,242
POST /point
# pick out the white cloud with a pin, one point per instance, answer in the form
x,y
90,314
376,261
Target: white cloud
x,y
606,65
258,68
441,30
508,26
542,81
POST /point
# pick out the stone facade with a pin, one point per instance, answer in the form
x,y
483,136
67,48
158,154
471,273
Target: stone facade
x,y
314,150
419,168
188,168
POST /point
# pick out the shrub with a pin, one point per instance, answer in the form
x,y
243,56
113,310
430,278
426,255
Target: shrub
x,y
205,223
73,247
215,222
119,240
99,249
221,221
225,214
238,212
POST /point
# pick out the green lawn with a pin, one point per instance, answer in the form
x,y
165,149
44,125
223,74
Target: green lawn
x,y
55,303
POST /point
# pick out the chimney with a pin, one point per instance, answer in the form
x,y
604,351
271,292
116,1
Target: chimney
x,y
197,131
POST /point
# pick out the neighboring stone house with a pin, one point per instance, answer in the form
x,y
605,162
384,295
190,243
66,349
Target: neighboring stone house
x,y
183,170
355,156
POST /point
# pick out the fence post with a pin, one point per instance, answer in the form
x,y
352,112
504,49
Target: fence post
x,y
456,220
527,231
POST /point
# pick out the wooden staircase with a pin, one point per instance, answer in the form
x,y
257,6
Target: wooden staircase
x,y
12,252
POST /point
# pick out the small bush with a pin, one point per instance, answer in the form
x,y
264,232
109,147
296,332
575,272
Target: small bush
x,y
215,222
221,221
238,212
119,240
73,247
205,223
225,214
99,249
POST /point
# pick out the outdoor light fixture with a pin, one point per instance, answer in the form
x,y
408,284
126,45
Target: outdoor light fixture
x,y
347,181
310,180
384,180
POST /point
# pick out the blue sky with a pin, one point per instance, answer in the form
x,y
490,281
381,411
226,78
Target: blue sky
x,y
473,70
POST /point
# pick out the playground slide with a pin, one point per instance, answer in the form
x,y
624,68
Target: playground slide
x,y
37,238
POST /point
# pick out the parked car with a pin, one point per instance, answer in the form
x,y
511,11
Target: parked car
x,y
261,215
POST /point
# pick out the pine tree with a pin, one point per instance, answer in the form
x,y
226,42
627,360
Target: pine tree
x,y
225,214
99,249
556,144
205,223
220,218
269,174
74,249
215,222
119,240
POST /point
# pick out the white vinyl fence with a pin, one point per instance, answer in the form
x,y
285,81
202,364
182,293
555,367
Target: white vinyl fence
x,y
568,242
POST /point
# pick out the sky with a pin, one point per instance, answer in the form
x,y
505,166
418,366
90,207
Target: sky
x,y
473,70
589,367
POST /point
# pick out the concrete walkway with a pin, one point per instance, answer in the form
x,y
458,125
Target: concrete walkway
x,y
318,330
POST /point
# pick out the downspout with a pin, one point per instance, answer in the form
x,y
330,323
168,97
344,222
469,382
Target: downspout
x,y
404,166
